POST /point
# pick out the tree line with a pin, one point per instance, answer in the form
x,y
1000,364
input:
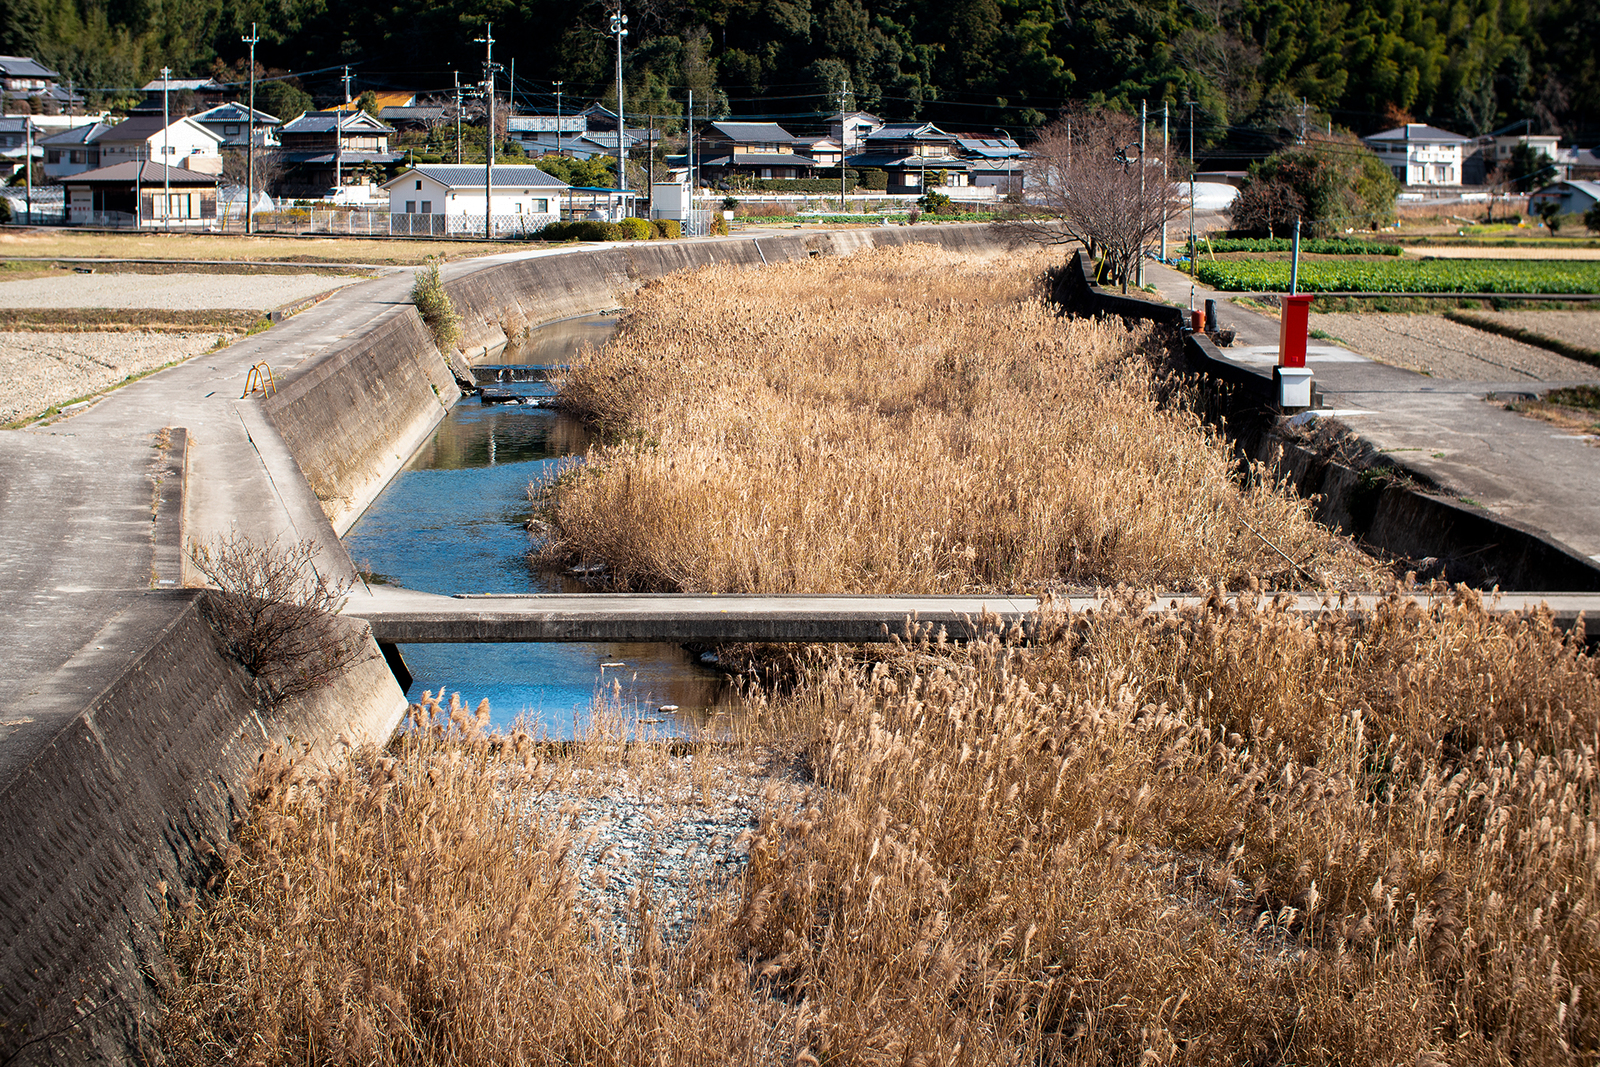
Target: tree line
x,y
1258,71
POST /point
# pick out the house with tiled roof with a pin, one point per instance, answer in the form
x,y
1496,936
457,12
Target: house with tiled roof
x,y
142,194
328,150
73,151
182,143
231,122
915,155
750,149
446,198
25,81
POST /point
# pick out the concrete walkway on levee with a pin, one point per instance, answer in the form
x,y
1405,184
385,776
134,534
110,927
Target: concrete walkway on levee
x,y
1441,430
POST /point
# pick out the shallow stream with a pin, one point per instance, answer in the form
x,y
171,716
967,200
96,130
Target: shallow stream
x,y
454,520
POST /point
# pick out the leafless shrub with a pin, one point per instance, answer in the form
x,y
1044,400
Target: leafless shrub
x,y
1089,182
277,614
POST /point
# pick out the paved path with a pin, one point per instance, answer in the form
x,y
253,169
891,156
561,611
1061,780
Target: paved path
x,y
1443,430
403,616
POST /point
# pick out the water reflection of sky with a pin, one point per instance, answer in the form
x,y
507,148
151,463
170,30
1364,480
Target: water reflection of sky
x,y
454,521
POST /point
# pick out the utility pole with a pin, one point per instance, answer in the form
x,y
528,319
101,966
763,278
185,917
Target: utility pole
x,y
1166,150
619,27
1191,207
250,144
1138,275
844,94
457,76
1302,120
511,89
166,150
27,165
346,79
558,86
688,144
487,40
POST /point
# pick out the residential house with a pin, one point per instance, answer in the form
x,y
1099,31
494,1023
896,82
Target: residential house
x,y
1419,154
14,143
1570,198
329,150
916,156
1582,163
231,122
144,194
996,160
442,198
73,151
852,128
176,97
29,86
727,150
422,117
385,99
824,150
555,135
184,143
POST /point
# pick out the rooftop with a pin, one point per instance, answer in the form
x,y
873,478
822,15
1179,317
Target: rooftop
x,y
452,176
148,174
1418,131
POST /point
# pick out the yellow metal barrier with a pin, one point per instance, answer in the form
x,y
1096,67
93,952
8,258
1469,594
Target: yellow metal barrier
x,y
259,380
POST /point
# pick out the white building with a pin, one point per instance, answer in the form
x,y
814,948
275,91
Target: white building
x,y
185,143
1419,154
442,198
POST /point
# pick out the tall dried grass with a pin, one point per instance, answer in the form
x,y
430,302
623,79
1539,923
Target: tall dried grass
x,y
909,421
1230,836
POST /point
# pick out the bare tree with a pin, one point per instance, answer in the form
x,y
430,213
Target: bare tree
x,y
271,165
277,614
1088,182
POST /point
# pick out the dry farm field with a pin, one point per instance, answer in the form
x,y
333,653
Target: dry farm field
x,y
1229,835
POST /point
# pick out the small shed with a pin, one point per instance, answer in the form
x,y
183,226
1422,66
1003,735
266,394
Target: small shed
x,y
142,194
1573,198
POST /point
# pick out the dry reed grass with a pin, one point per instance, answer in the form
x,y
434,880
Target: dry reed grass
x,y
1229,836
909,421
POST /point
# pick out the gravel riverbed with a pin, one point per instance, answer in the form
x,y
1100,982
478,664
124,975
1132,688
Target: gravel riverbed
x,y
38,370
1433,345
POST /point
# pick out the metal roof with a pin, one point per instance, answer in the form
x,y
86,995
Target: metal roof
x,y
508,175
24,67
752,131
908,131
325,121
144,127
149,174
194,85
547,123
235,113
1418,131
76,135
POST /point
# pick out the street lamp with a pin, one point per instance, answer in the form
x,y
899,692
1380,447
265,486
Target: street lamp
x,y
619,27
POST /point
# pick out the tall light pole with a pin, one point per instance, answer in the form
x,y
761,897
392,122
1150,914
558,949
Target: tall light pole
x,y
487,40
619,27
558,85
844,93
1143,206
250,142
1166,149
166,150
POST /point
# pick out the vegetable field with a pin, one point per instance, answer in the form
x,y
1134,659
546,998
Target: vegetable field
x,y
1321,247
1426,276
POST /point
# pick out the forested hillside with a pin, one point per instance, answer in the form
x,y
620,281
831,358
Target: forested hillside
x,y
1469,65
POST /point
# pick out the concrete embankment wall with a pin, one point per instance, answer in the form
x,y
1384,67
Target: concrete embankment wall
x,y
355,414
1378,505
141,782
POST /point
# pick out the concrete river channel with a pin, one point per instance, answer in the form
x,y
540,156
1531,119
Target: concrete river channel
x,y
454,520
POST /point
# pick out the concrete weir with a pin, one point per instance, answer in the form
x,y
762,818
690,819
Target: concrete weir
x,y
128,753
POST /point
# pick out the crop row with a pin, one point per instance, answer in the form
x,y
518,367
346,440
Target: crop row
x,y
1336,246
1405,276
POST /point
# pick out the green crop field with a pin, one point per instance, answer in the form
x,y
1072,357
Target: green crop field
x,y
1426,276
1336,246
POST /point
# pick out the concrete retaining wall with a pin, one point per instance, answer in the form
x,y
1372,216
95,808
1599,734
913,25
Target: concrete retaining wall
x,y
354,415
1441,536
139,788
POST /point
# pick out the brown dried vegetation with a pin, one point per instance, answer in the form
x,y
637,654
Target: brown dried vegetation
x,y
905,421
1231,835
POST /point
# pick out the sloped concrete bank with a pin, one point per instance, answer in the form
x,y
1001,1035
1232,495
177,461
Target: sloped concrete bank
x,y
1380,503
133,776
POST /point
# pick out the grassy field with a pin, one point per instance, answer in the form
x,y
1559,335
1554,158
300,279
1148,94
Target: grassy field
x,y
384,252
905,421
1228,835
1224,837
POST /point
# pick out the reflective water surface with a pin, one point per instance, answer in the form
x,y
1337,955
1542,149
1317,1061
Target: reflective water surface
x,y
455,521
